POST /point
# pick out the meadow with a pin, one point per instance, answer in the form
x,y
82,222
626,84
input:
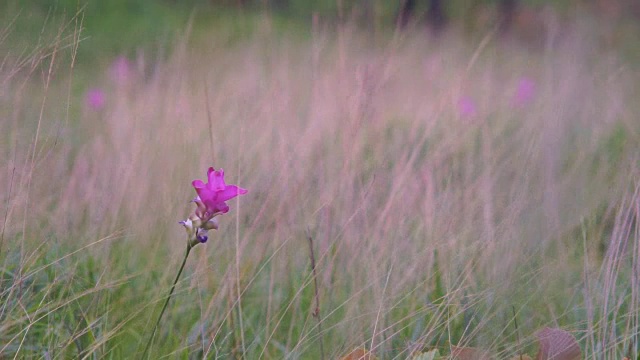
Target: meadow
x,y
456,191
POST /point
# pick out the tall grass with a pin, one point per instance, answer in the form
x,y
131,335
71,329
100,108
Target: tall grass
x,y
429,225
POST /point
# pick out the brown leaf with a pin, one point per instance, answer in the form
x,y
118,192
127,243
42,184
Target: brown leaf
x,y
469,353
557,344
359,354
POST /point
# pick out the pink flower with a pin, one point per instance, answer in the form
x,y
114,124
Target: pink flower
x,y
120,70
467,107
212,196
525,92
95,99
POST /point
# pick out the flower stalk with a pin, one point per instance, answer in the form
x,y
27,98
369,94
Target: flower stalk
x,y
166,302
210,203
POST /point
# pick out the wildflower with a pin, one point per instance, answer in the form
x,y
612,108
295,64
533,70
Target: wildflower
x,y
120,70
210,202
95,99
467,107
212,196
525,92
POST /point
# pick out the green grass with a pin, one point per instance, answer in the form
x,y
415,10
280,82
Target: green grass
x,y
429,228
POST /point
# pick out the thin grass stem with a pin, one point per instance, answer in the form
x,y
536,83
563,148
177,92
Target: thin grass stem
x,y
316,311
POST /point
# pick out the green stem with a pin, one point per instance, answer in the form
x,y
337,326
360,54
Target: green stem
x,y
173,287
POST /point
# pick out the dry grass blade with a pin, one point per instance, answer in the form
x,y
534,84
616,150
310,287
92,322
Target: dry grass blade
x,y
557,344
359,354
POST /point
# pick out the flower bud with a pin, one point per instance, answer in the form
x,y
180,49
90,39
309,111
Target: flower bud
x,y
211,224
196,221
191,230
201,237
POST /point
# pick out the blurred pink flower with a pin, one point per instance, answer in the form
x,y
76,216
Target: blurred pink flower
x,y
95,99
212,196
525,92
121,70
467,107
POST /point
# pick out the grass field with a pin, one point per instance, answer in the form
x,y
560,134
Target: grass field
x,y
450,188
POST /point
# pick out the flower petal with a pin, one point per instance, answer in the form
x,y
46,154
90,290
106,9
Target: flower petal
x,y
215,207
222,207
216,179
198,184
212,196
230,192
203,193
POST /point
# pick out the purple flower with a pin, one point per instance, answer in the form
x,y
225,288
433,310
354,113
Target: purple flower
x,y
525,92
210,202
95,99
212,196
120,70
467,107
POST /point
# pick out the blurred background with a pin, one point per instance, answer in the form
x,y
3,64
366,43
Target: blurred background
x,y
119,26
459,165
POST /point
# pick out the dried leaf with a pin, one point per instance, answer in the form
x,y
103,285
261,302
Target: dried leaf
x,y
469,353
557,344
429,355
359,354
